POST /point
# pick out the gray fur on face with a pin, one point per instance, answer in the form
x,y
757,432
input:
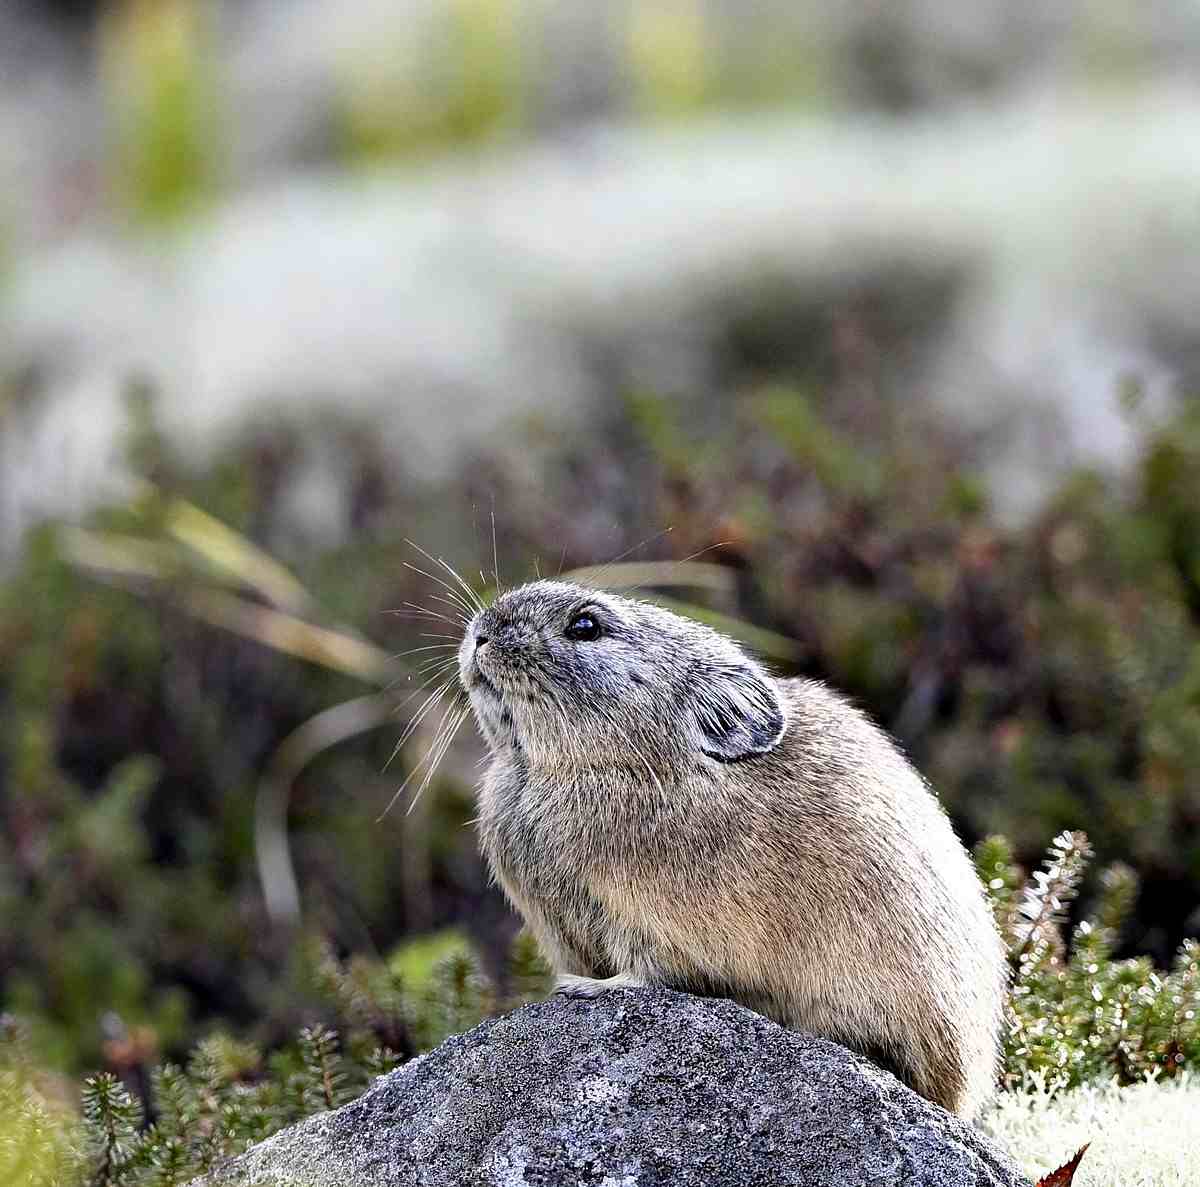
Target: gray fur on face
x,y
662,811
651,684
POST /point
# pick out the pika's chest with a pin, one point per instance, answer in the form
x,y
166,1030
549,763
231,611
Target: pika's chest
x,y
549,836
538,837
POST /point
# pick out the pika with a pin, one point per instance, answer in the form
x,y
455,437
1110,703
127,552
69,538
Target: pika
x,y
662,811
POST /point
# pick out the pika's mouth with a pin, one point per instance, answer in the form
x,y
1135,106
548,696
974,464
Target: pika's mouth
x,y
481,681
474,679
490,705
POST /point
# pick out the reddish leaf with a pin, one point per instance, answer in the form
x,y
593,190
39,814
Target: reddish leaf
x,y
1065,1175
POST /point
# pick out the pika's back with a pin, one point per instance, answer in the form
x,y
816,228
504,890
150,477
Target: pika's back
x,y
663,811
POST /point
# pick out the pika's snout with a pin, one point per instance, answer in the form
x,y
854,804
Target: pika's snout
x,y
479,633
488,627
481,630
475,638
486,640
491,627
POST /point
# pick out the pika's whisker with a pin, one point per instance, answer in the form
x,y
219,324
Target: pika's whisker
x,y
437,665
598,579
629,590
476,600
424,760
449,652
450,649
495,550
426,706
642,543
472,596
430,703
415,611
701,551
425,647
448,602
467,603
441,746
457,598
427,678
392,684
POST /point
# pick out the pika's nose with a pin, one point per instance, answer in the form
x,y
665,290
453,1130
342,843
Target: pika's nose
x,y
485,628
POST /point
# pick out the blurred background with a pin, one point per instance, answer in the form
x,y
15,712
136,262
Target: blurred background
x,y
890,307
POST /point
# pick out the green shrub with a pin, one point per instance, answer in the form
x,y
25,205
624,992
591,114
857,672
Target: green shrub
x,y
1078,1018
1076,1014
229,1093
1041,676
40,1138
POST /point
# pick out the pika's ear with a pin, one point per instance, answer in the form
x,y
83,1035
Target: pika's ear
x,y
737,712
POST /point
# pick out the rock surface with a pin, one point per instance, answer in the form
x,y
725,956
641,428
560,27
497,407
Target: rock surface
x,y
640,1088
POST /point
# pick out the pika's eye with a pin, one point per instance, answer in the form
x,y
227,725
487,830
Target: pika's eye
x,y
583,628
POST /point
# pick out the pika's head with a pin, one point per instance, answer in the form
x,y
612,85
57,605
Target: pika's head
x,y
568,676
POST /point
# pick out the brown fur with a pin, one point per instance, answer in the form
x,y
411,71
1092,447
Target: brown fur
x,y
662,812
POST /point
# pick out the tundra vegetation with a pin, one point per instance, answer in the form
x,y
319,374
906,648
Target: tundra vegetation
x,y
163,672
208,925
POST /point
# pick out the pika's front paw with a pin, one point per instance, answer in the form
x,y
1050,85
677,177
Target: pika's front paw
x,y
570,985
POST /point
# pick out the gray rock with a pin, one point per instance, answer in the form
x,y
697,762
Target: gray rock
x,y
640,1088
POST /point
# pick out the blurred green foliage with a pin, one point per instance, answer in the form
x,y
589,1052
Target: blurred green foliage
x,y
1045,677
39,1135
467,72
164,105
156,663
1076,1016
462,81
180,1118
